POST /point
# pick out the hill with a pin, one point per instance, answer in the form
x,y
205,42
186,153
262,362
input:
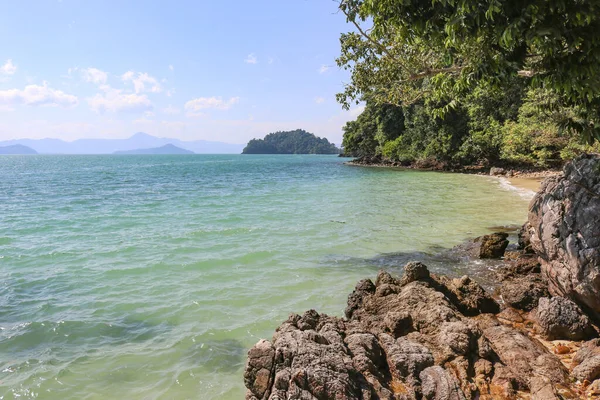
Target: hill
x,y
291,142
17,149
166,149
108,146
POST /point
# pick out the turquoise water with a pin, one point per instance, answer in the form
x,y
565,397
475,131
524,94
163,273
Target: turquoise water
x,y
149,277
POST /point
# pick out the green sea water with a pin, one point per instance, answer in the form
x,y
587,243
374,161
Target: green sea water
x,y
149,277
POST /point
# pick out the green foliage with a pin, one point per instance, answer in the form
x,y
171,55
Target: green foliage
x,y
439,51
291,142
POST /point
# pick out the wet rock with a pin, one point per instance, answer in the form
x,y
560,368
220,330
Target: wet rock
x,y
560,318
487,246
494,245
523,292
564,219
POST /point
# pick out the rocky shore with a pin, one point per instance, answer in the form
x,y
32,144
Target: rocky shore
x,y
427,336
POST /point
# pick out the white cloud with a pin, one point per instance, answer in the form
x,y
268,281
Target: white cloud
x,y
324,68
251,59
204,103
35,95
170,110
171,67
271,60
8,68
114,100
319,100
93,75
140,80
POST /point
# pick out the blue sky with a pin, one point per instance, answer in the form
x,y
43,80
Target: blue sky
x,y
215,70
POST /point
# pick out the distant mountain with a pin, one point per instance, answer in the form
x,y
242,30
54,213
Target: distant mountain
x,y
166,149
291,142
17,149
108,146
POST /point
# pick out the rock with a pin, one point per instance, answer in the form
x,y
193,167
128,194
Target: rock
x,y
587,362
414,271
523,292
467,295
409,341
524,264
398,323
259,369
438,384
495,171
560,318
355,299
494,245
564,219
525,357
487,246
524,240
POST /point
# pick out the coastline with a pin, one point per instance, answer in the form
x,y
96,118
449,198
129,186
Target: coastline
x,y
525,181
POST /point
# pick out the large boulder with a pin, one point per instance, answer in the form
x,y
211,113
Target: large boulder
x,y
564,230
560,318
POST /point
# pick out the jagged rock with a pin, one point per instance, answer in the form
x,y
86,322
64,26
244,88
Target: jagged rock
x,y
487,246
438,384
564,219
259,369
524,264
408,342
523,292
494,245
524,357
587,361
560,318
414,271
363,288
524,240
467,295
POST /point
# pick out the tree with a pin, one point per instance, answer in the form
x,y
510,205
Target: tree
x,y
439,50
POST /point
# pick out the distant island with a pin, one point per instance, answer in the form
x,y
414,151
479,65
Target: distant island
x,y
291,142
139,140
17,149
166,149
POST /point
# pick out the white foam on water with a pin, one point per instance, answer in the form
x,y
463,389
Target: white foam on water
x,y
505,184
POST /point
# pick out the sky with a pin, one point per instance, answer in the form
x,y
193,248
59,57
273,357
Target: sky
x,y
226,71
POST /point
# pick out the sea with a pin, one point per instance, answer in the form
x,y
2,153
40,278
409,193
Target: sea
x,y
150,277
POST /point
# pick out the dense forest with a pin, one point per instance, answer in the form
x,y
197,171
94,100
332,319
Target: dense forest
x,y
290,142
467,82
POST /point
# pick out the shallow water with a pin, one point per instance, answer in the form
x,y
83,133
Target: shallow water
x,y
149,277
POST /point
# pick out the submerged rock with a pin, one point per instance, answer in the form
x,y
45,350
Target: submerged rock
x,y
564,230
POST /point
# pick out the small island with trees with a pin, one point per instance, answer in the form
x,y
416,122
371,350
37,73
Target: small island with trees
x,y
291,142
